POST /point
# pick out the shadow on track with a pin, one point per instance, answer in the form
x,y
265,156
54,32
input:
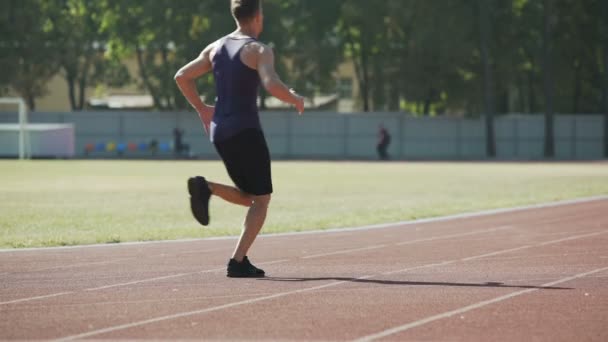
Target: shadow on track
x,y
413,283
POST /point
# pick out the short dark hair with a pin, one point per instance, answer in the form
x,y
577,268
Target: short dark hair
x,y
244,9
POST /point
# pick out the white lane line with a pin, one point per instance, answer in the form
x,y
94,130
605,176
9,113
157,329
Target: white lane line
x,y
149,280
282,294
38,297
202,311
464,309
115,261
552,242
267,263
339,230
197,252
284,260
435,238
529,280
132,283
174,276
476,232
552,255
344,251
485,255
65,266
503,251
78,265
158,300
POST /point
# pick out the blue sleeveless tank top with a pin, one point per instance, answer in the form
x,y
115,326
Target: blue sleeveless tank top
x,y
237,87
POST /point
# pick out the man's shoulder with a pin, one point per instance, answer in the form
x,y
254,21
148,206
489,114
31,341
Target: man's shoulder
x,y
257,47
214,44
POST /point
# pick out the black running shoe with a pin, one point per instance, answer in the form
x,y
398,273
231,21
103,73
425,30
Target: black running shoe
x,y
243,269
199,199
257,270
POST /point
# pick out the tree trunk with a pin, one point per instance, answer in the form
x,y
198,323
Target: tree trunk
x,y
379,88
576,94
167,80
488,86
605,92
82,91
521,102
146,79
393,100
532,104
83,81
427,105
31,102
71,79
359,73
365,83
548,78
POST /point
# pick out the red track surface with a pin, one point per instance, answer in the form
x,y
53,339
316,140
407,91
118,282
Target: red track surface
x,y
535,274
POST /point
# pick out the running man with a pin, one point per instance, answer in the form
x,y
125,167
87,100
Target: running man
x,y
239,63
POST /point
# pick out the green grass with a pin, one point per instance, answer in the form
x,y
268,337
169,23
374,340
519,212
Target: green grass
x,y
52,203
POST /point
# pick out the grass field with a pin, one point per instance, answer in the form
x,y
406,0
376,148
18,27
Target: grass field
x,y
51,203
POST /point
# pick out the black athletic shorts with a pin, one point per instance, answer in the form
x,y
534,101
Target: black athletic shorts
x,y
247,161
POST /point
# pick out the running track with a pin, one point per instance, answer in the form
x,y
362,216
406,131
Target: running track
x,y
538,273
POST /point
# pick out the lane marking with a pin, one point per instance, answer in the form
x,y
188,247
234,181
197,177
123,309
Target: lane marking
x,y
285,260
464,309
503,251
344,251
161,255
174,276
283,294
476,232
37,297
76,265
159,300
552,242
434,238
202,311
528,280
131,283
148,280
465,215
554,255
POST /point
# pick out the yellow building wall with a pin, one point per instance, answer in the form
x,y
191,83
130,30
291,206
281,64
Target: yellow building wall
x,y
57,99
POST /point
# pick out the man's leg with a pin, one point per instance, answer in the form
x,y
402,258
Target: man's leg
x,y
230,194
253,224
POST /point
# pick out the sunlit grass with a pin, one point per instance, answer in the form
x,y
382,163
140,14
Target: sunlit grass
x,y
51,203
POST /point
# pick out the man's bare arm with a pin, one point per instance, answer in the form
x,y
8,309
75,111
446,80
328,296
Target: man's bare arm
x,y
272,82
186,81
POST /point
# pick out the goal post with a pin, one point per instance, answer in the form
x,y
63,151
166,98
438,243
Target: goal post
x,y
24,141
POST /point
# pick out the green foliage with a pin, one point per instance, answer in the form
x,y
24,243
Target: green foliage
x,y
28,57
423,53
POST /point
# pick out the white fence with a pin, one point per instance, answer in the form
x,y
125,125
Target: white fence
x,y
337,136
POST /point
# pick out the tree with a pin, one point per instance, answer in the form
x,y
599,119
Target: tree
x,y
75,25
154,32
357,29
304,34
29,59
